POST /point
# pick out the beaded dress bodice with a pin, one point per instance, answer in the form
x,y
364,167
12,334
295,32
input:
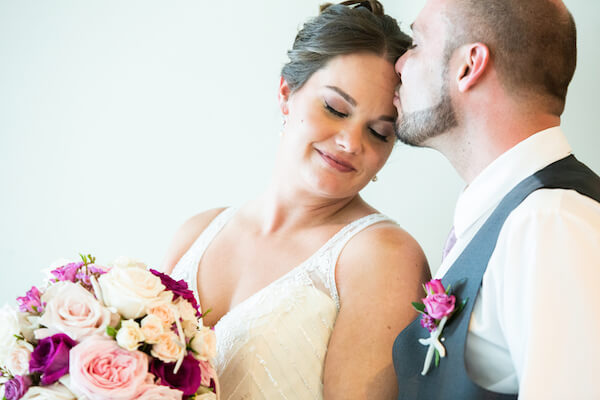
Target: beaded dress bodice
x,y
273,344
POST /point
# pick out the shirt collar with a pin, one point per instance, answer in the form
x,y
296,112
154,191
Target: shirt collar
x,y
497,179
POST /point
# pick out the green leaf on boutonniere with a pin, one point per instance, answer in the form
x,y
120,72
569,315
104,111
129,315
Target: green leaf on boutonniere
x,y
459,308
420,307
437,358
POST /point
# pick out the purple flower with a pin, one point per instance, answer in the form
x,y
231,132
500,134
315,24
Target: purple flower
x,y
187,379
428,322
434,286
439,306
179,289
51,357
16,387
31,302
84,274
67,272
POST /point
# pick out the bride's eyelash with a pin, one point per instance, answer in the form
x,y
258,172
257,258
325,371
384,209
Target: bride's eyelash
x,y
334,111
340,114
378,136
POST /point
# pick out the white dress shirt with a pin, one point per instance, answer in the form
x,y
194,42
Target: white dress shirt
x,y
535,326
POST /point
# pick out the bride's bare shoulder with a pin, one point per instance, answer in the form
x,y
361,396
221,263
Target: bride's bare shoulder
x,y
186,235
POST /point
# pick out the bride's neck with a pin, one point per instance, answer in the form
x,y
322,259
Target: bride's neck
x,y
278,211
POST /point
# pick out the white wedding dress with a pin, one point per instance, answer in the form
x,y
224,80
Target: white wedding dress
x,y
273,344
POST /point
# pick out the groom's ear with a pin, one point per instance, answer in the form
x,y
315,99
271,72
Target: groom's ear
x,y
474,62
283,95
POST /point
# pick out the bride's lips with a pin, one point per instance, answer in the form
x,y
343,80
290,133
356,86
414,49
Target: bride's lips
x,y
336,163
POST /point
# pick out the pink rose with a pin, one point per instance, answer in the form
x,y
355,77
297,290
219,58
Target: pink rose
x,y
72,310
100,369
439,305
434,286
159,392
207,373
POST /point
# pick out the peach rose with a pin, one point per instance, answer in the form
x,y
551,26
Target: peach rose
x,y
188,315
165,312
204,344
100,369
152,328
72,310
168,348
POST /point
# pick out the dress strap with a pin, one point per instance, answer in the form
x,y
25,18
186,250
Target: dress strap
x,y
187,267
337,243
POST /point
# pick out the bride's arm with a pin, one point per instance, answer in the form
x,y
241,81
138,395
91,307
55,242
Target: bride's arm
x,y
379,274
185,237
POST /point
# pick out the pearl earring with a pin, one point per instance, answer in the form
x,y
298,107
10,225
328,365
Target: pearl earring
x,y
374,179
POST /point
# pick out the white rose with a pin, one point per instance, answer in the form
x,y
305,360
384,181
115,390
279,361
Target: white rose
x,y
152,328
126,262
204,344
52,392
130,290
205,394
19,355
168,348
72,310
28,324
129,335
9,327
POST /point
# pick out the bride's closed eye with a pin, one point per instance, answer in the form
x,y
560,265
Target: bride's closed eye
x,y
333,110
378,136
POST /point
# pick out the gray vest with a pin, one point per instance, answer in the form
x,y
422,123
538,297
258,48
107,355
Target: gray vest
x,y
450,380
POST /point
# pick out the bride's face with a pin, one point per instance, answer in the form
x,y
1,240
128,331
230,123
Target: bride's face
x,y
339,126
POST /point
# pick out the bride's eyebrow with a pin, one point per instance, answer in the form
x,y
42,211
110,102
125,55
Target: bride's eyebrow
x,y
387,118
345,95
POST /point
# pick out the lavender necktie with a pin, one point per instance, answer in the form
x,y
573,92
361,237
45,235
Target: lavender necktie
x,y
450,242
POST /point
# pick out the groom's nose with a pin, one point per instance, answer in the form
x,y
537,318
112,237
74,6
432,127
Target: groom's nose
x,y
400,65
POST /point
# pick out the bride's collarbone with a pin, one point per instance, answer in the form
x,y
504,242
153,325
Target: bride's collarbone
x,y
231,271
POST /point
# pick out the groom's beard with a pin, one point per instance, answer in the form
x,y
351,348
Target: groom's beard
x,y
417,127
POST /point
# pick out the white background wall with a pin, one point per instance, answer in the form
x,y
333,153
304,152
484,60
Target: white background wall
x,y
119,120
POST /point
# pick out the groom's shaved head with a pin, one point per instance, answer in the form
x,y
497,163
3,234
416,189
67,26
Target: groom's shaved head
x,y
532,43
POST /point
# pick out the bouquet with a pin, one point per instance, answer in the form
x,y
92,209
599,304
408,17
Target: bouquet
x,y
116,332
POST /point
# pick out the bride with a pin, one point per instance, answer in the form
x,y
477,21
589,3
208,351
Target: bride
x,y
308,285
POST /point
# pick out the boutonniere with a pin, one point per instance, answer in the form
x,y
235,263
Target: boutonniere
x,y
438,307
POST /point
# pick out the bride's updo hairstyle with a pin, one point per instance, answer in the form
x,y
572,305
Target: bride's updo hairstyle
x,y
339,29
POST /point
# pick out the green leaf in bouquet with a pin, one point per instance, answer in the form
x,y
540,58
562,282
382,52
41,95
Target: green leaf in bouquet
x,y
437,358
206,312
112,332
420,307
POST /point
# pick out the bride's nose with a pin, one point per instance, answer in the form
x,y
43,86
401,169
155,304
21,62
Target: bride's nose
x,y
349,139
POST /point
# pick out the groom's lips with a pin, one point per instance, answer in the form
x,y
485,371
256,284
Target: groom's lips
x,y
336,162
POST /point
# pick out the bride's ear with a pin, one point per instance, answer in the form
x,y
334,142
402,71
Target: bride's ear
x,y
283,95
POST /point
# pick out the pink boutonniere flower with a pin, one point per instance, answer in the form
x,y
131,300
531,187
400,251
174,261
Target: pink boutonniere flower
x,y
437,307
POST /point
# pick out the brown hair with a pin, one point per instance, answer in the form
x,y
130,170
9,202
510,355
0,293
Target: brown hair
x,y
348,27
533,43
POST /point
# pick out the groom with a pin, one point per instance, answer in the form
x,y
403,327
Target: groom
x,y
485,84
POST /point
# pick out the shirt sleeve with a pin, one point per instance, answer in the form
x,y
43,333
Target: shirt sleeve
x,y
549,256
